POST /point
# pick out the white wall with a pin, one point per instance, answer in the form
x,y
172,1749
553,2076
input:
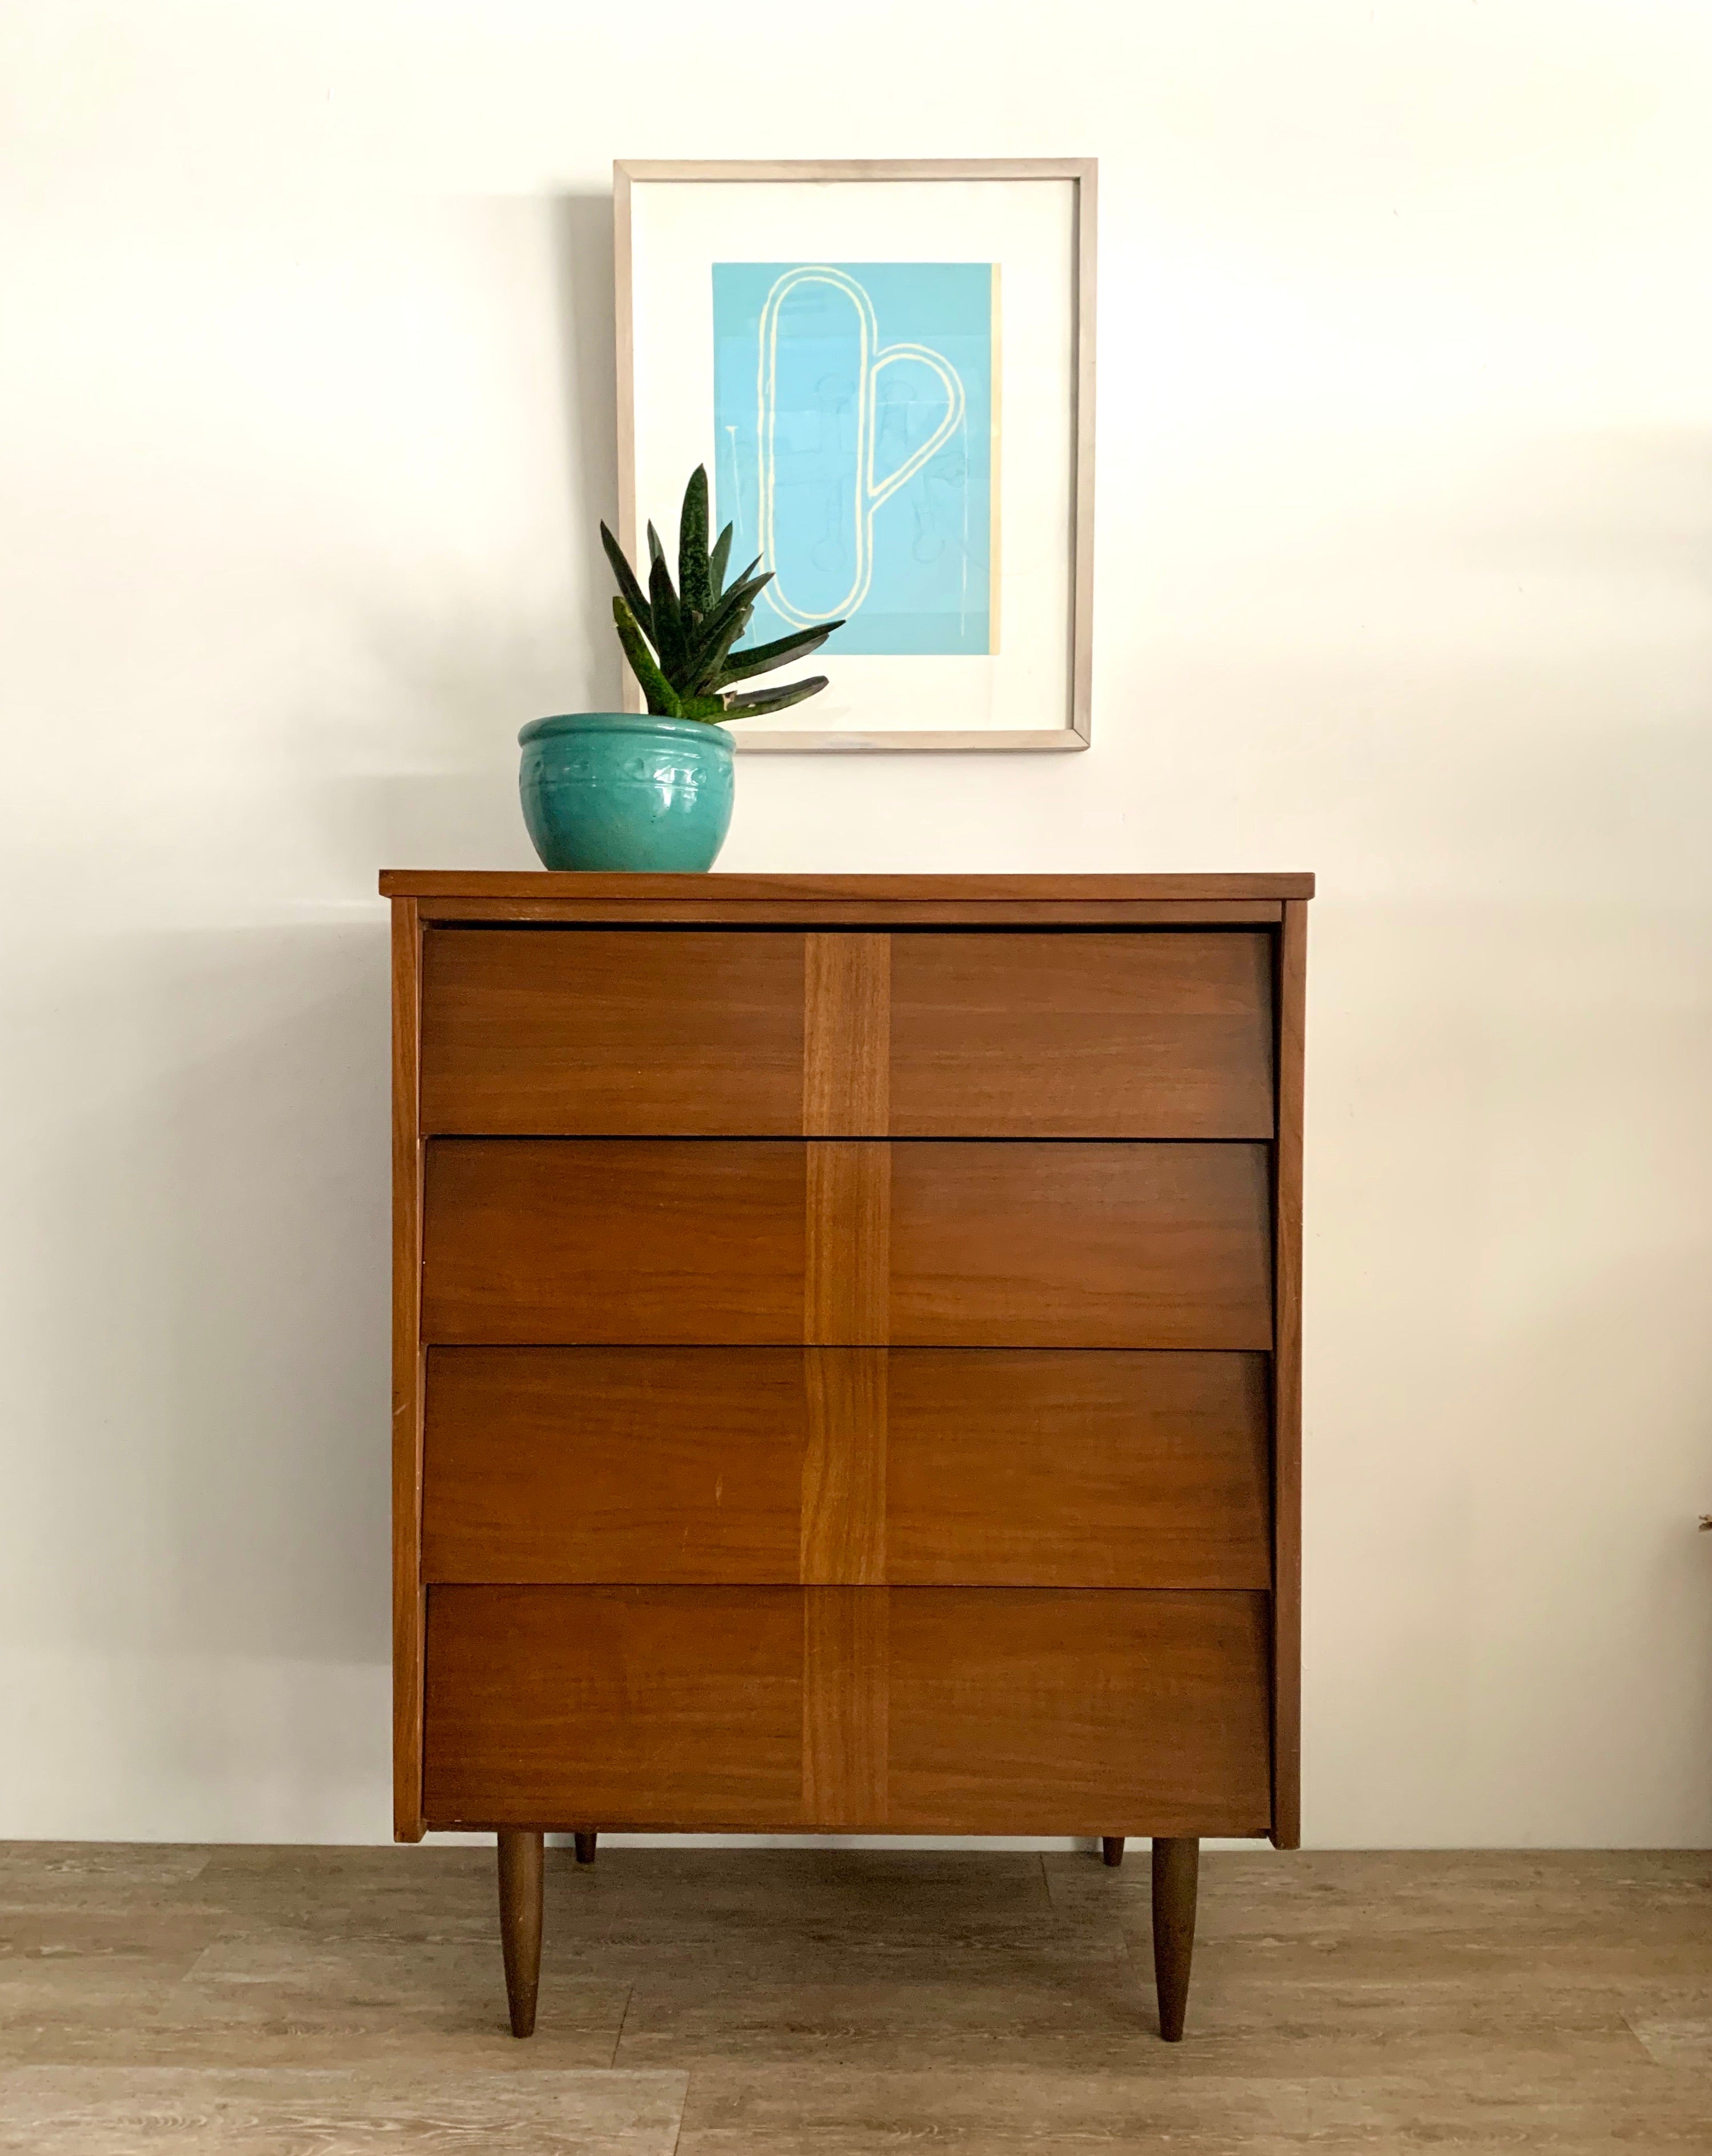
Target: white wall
x,y
1404,577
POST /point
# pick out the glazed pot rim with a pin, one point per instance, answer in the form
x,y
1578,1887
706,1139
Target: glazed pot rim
x,y
706,730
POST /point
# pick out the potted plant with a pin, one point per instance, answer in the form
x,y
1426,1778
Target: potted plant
x,y
620,790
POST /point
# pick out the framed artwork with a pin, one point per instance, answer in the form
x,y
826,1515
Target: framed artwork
x,y
887,369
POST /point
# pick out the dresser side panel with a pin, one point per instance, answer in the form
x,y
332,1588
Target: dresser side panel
x,y
408,1613
1287,1383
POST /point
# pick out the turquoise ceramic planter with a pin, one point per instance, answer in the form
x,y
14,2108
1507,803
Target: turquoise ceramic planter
x,y
616,790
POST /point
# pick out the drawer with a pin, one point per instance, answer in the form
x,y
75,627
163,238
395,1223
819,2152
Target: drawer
x,y
974,1467
1164,1034
1081,1246
614,1239
589,1031
926,1710
929,1244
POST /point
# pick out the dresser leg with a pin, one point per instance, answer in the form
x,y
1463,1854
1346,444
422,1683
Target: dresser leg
x,y
585,1846
1176,1873
1112,1848
520,1922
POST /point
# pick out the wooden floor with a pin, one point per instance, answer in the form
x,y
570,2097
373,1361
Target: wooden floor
x,y
719,2003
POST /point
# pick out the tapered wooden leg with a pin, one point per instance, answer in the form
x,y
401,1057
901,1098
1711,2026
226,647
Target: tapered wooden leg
x,y
1176,1874
1112,1848
585,1847
520,1922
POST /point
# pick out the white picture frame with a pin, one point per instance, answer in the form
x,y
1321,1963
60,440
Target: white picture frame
x,y
1028,688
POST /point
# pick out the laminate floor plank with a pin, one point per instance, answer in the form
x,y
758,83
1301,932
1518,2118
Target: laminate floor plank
x,y
63,2110
843,2002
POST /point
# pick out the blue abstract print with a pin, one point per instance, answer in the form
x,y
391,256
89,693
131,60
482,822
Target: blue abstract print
x,y
854,447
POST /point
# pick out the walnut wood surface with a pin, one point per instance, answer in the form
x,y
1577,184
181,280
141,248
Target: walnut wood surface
x,y
845,1034
520,1898
851,1466
1081,1246
995,1710
1023,1712
617,1239
550,1706
1081,1035
575,885
749,1242
686,1034
628,1465
842,1538
846,1705
407,1598
1176,1874
1287,1387
707,912
847,1242
1049,1468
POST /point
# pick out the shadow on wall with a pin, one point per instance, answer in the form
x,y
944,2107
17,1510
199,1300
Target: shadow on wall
x,y
583,265
220,1230
415,740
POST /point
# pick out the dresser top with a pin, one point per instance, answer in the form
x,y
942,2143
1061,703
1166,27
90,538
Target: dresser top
x,y
481,884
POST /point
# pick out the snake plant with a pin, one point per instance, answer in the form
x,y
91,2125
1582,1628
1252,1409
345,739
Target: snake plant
x,y
693,627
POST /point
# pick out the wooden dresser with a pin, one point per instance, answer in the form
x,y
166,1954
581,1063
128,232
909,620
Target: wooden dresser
x,y
846,1338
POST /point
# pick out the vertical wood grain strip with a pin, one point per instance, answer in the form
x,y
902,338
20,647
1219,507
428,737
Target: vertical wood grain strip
x,y
846,1681
1287,1383
846,1035
408,1612
846,1283
843,1533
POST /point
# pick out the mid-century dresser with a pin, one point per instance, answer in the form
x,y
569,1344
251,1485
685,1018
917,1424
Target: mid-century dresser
x,y
846,1333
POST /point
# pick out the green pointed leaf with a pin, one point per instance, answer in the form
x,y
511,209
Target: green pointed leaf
x,y
662,697
718,560
627,583
668,622
711,654
773,700
726,607
694,581
763,658
657,552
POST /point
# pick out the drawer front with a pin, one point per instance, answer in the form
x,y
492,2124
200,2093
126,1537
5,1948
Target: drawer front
x,y
577,1706
1081,1246
695,1034
928,1710
620,1465
613,1240
676,1465
927,1244
626,1031
1045,1469
1163,1035
1013,1711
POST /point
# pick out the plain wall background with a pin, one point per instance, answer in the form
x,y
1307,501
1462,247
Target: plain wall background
x,y
1404,576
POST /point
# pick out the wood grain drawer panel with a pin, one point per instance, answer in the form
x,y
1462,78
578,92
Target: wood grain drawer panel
x,y
768,1465
1043,1468
615,1240
590,1032
669,1707
663,1466
1081,1246
1138,1035
925,1710
694,1242
1013,1711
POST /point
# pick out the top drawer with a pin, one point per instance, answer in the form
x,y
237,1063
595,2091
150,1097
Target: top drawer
x,y
588,1032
